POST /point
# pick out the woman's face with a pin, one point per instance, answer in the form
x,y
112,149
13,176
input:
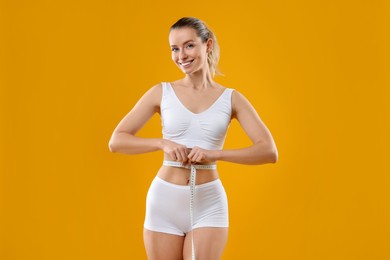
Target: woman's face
x,y
188,51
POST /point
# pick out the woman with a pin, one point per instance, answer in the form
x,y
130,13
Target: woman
x,y
186,206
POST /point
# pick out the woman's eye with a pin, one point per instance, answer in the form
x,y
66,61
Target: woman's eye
x,y
190,45
174,49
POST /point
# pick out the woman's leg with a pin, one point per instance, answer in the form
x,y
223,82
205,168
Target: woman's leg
x,y
163,246
209,243
165,220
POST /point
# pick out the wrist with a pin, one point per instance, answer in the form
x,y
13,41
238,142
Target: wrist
x,y
218,155
160,143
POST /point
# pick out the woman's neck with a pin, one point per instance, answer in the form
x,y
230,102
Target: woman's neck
x,y
198,80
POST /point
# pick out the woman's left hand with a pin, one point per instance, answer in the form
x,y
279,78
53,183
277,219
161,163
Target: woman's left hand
x,y
199,155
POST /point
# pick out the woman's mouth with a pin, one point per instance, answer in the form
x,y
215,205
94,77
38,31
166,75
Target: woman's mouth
x,y
186,64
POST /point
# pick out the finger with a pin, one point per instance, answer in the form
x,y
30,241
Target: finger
x,y
178,156
201,157
183,155
195,153
172,155
194,157
191,154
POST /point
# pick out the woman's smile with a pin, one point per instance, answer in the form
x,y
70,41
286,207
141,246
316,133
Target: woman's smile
x,y
186,64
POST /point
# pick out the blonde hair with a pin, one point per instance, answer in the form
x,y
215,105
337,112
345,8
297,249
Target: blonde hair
x,y
204,33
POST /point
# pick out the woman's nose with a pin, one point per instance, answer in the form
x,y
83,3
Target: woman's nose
x,y
182,55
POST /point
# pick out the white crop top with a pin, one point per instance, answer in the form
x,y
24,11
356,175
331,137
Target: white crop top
x,y
206,129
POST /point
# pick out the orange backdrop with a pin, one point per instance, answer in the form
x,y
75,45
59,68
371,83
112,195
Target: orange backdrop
x,y
316,71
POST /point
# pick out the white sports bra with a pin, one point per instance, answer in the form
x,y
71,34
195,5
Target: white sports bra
x,y
206,129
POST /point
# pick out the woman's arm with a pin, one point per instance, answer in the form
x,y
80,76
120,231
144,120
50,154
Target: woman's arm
x,y
123,139
263,150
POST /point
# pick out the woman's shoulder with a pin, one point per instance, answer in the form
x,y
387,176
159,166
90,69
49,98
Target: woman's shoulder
x,y
157,88
238,99
153,94
153,91
232,89
220,86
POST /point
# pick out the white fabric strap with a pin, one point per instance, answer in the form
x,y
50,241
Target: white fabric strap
x,y
193,168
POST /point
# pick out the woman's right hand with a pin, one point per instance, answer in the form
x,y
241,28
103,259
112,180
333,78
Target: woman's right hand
x,y
177,152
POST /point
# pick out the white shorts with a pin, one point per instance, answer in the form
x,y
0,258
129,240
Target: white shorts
x,y
168,207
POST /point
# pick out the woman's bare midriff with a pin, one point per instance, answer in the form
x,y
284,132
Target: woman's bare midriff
x,y
181,176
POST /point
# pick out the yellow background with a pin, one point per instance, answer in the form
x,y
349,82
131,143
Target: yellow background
x,y
316,71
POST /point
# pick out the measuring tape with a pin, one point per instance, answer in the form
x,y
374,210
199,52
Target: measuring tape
x,y
193,168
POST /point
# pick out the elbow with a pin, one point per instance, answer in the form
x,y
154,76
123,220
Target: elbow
x,y
271,156
274,155
117,142
112,146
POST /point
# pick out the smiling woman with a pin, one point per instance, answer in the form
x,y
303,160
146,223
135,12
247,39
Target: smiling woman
x,y
192,36
186,205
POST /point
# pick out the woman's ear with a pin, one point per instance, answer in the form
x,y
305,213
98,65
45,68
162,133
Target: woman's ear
x,y
209,45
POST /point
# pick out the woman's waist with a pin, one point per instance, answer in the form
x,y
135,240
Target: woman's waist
x,y
181,176
168,160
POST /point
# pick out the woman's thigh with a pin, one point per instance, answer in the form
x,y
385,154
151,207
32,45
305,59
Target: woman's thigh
x,y
163,246
209,243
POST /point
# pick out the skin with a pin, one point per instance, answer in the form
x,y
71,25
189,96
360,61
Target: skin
x,y
197,91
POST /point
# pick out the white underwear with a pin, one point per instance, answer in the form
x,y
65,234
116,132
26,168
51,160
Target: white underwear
x,y
169,207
